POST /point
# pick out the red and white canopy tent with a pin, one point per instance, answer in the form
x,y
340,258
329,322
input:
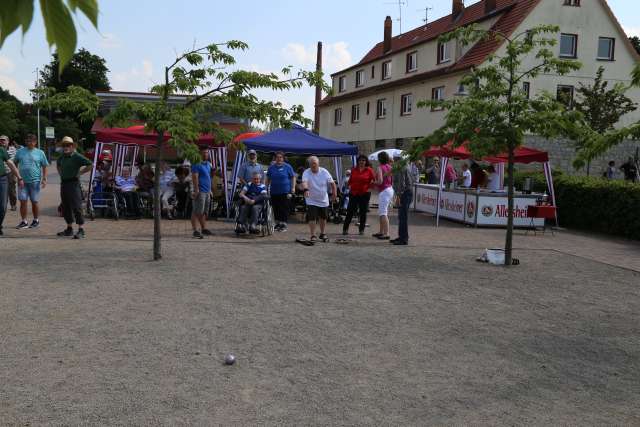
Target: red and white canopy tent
x,y
523,155
127,141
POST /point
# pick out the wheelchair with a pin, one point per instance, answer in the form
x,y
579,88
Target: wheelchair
x,y
266,222
107,202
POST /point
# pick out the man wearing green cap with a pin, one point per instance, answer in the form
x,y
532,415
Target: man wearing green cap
x,y
70,166
5,162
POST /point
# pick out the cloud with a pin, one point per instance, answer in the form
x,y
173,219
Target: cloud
x,y
138,79
632,31
110,41
7,82
336,56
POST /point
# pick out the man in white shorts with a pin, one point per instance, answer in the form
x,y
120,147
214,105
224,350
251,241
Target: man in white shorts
x,y
314,182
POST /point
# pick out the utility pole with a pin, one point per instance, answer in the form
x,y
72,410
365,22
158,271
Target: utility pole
x,y
316,119
38,102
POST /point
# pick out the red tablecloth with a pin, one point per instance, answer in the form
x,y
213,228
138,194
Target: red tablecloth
x,y
546,212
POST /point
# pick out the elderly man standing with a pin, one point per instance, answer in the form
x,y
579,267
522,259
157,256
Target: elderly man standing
x,y
315,181
5,163
32,164
403,182
11,177
70,166
201,178
250,167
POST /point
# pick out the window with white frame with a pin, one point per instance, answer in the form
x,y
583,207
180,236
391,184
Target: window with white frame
x,y
337,117
526,89
572,3
606,48
437,94
381,109
443,53
569,45
355,113
412,62
386,70
564,95
406,104
359,78
342,83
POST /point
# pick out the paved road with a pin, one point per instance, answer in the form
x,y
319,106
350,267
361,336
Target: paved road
x,y
364,334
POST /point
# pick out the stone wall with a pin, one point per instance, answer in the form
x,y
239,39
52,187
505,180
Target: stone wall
x,y
562,154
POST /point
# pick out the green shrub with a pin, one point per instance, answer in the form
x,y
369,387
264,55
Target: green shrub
x,y
592,203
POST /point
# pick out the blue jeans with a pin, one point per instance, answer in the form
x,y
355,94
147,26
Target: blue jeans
x,y
403,215
4,196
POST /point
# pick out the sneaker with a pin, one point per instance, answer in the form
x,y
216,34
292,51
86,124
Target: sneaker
x,y
66,233
197,235
278,227
79,234
23,225
206,232
35,223
283,228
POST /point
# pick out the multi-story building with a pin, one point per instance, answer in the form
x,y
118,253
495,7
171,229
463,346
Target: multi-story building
x,y
374,102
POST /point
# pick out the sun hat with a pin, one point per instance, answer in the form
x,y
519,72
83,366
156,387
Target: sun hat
x,y
67,140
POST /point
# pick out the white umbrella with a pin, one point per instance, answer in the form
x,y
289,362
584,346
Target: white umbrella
x,y
392,152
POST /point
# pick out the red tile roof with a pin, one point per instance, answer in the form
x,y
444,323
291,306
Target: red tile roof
x,y
512,12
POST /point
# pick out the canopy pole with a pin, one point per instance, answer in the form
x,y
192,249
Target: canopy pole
x,y
234,178
443,168
549,178
96,155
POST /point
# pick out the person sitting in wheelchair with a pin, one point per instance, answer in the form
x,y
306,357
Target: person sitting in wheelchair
x,y
252,197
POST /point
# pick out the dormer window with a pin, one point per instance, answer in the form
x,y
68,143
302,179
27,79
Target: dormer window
x,y
572,3
443,53
360,78
342,83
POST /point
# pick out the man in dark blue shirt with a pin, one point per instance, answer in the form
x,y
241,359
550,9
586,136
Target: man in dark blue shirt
x,y
253,196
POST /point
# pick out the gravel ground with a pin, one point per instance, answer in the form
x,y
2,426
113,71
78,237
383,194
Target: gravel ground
x,y
360,334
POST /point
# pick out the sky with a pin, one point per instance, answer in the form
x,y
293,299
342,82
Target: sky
x,y
139,37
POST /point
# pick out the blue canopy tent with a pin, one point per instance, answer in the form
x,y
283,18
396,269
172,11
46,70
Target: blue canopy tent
x,y
296,141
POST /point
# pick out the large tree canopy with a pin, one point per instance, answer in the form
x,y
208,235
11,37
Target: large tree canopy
x,y
84,70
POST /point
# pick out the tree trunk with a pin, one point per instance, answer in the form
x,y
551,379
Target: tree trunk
x,y
508,246
157,213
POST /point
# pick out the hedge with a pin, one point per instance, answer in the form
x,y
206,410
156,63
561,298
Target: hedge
x,y
592,203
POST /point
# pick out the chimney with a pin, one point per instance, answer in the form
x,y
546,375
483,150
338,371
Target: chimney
x,y
316,122
489,6
457,8
388,31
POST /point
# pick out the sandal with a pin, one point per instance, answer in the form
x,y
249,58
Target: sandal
x,y
313,239
324,238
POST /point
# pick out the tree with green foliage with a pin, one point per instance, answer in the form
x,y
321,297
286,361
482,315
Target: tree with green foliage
x,y
9,123
208,75
84,70
602,107
58,22
635,41
496,114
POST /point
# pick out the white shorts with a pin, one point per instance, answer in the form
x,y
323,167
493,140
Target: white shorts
x,y
385,198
